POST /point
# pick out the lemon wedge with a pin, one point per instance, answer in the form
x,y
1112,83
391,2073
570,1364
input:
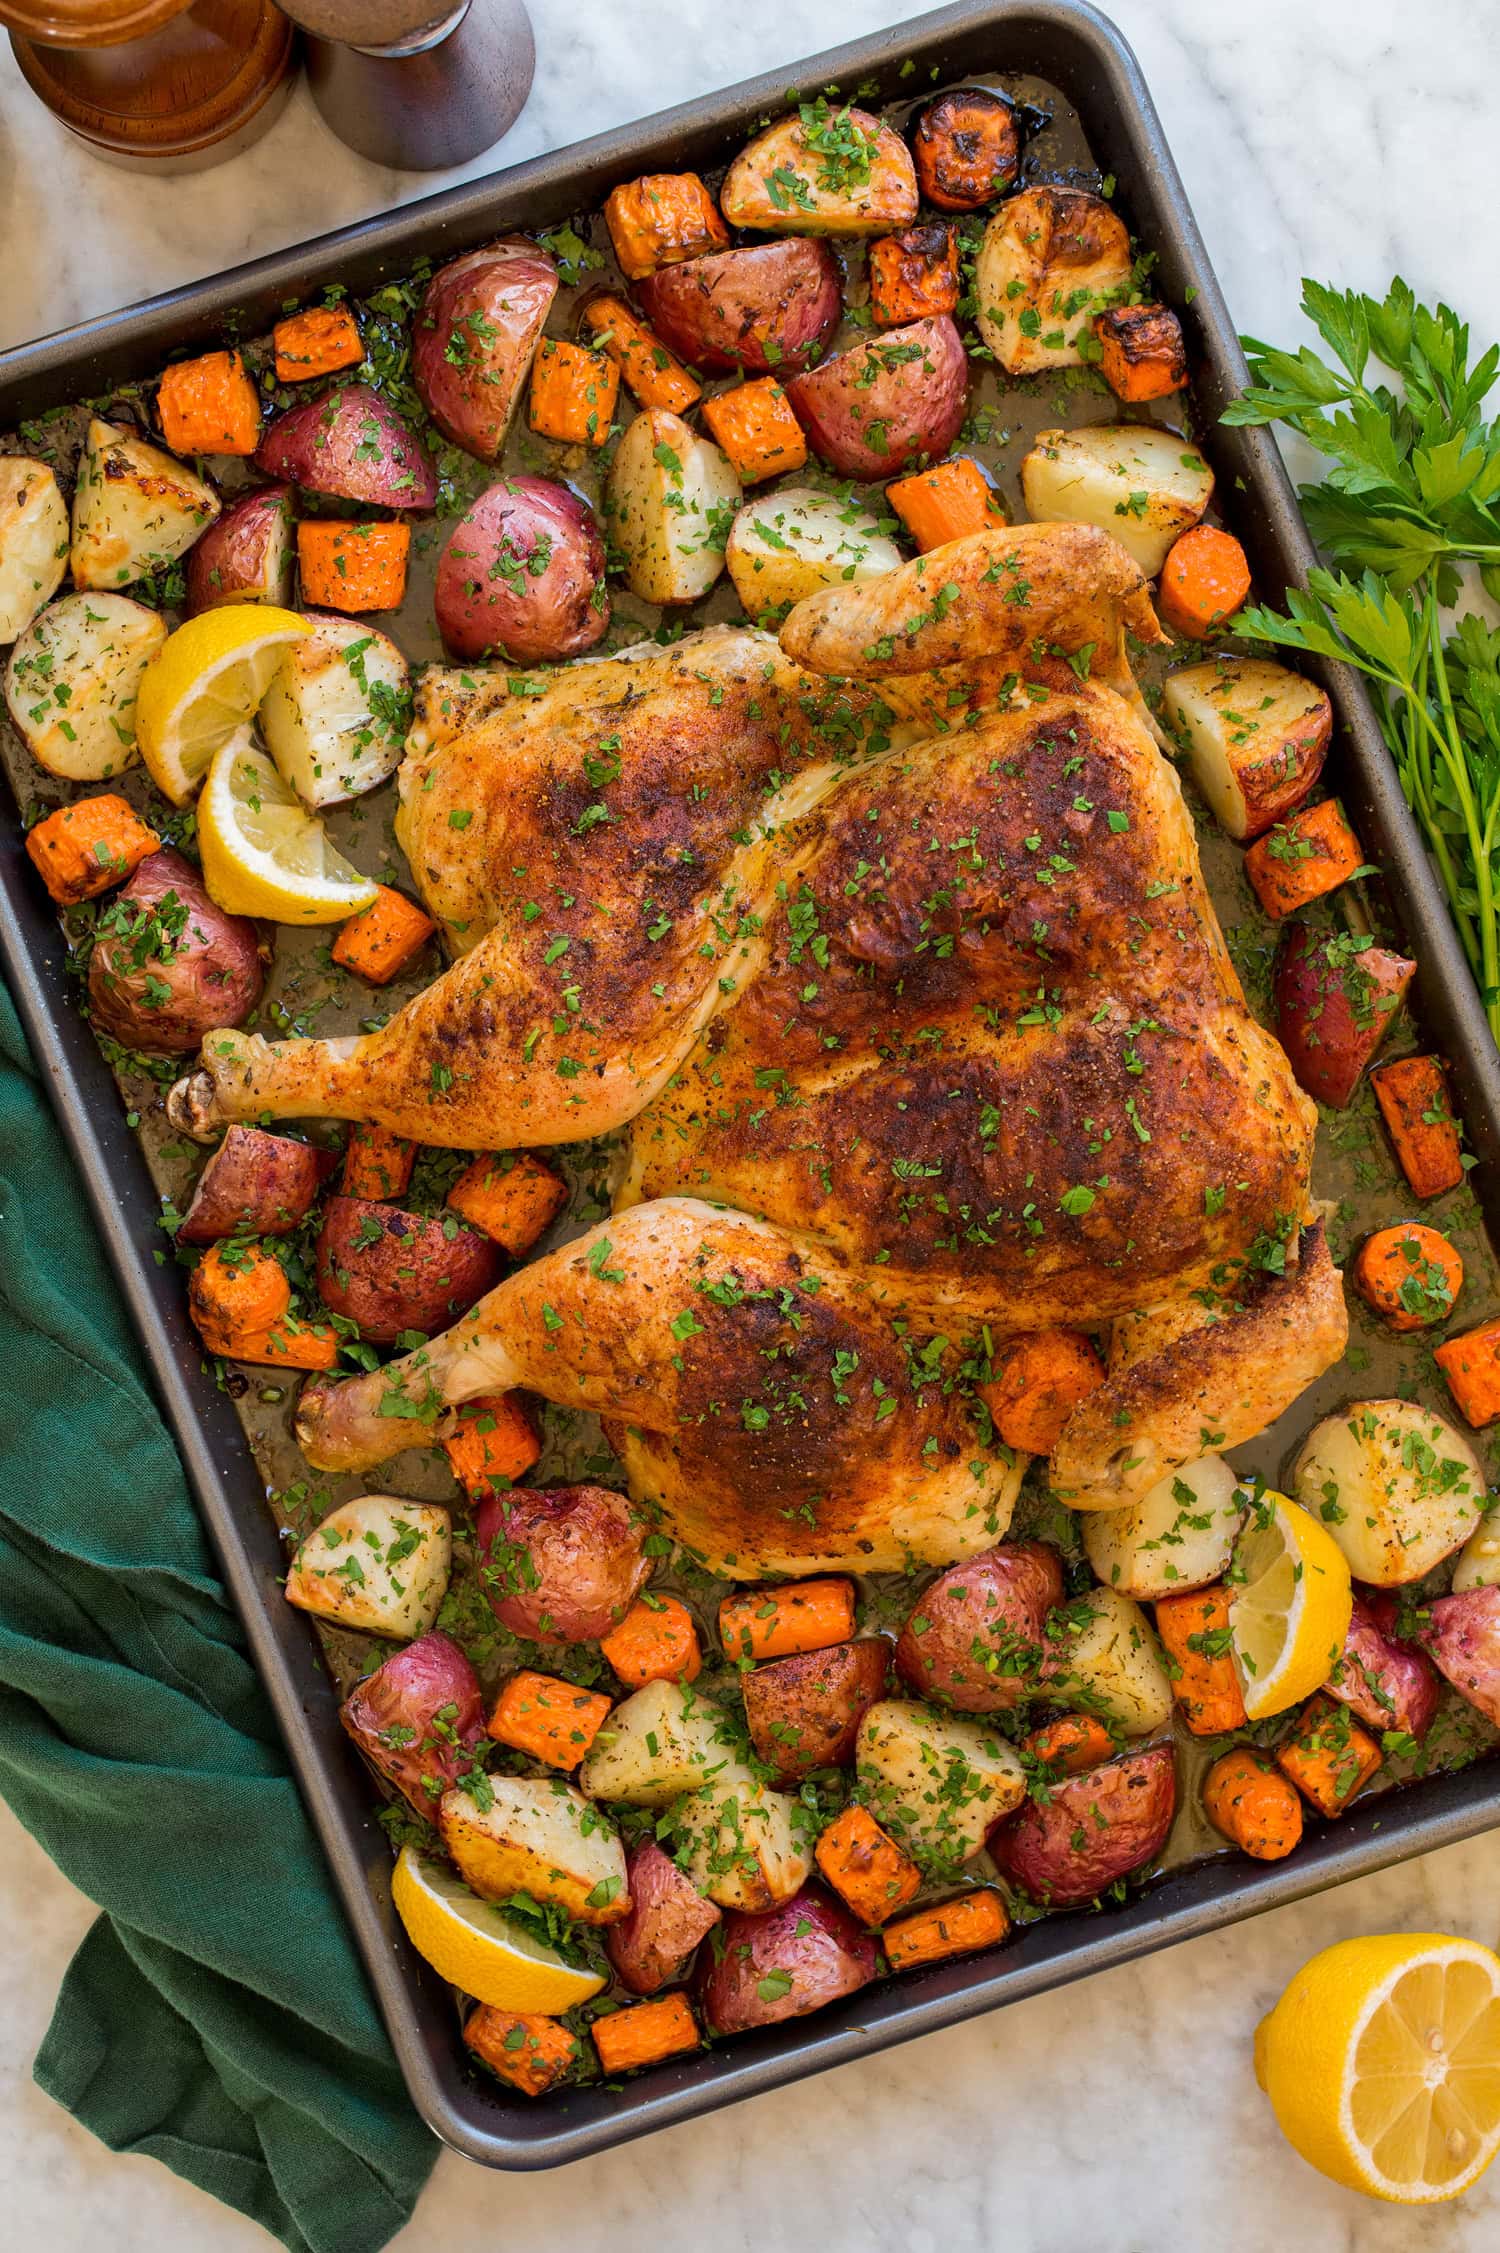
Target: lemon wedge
x,y
476,1946
203,687
264,854
1289,1619
1382,2064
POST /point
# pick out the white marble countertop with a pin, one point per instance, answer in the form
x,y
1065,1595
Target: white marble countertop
x,y
1342,138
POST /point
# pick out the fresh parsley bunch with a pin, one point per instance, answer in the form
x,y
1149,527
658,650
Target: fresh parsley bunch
x,y
1412,492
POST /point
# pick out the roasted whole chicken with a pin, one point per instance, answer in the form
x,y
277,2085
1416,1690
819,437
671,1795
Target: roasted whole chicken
x,y
887,948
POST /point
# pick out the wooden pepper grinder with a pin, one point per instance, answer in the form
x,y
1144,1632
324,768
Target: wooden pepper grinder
x,y
158,85
418,84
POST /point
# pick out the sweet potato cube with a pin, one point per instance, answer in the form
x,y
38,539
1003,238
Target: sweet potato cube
x,y
661,219
1302,859
866,1867
1042,1380
316,343
353,567
573,393
945,503
377,1163
552,1720
1471,1365
757,429
913,275
87,848
953,1928
645,2033
493,1443
379,942
512,1196
652,373
1329,1757
1413,1098
1194,1629
1141,352
209,406
530,2052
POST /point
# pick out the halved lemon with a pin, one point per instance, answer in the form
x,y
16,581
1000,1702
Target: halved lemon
x,y
1382,2064
1289,1619
477,1947
264,854
203,687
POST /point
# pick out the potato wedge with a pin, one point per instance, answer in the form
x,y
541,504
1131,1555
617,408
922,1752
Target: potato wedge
x,y
1145,486
1106,1658
379,1563
1050,260
72,680
658,1743
1479,1563
797,540
537,1835
335,716
1397,1488
668,505
935,1782
1256,736
1179,1535
33,541
135,508
746,1847
823,172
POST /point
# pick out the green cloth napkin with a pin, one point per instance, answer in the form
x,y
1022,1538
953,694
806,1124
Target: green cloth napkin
x,y
216,2016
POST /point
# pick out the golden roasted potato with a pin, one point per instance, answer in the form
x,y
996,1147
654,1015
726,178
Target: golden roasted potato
x,y
135,508
1105,1655
1143,485
1050,260
825,171
934,1781
797,540
33,541
72,680
668,505
748,1847
537,1835
1256,736
1397,1488
1179,1535
659,1742
379,1563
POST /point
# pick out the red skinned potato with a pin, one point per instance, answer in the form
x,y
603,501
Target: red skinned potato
x,y
790,1961
418,1719
350,444
562,1564
390,1271
1463,1634
474,337
522,575
247,555
1335,996
1092,1829
1387,1684
651,1948
255,1184
889,402
804,1712
769,308
974,1639
168,965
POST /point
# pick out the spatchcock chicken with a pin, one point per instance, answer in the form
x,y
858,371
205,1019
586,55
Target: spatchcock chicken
x,y
886,947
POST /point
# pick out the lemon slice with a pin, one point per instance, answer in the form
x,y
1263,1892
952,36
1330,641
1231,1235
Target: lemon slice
x,y
202,689
264,854
476,1946
1382,2064
1288,1622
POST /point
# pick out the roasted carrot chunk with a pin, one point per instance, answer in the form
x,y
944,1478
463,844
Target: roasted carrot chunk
x,y
1413,1098
1043,1379
866,1867
530,2052
645,2033
1302,859
757,429
777,1622
913,276
1072,1743
1204,580
237,1291
1250,1805
84,849
661,219
953,1928
656,1641
353,567
966,144
492,1444
946,503
285,1346
552,1720
1194,1629
209,406
379,942
1329,1756
316,343
1471,1365
652,373
377,1164
512,1196
1141,352
573,393
1410,1275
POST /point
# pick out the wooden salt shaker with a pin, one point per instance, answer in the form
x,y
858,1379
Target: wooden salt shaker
x,y
418,84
